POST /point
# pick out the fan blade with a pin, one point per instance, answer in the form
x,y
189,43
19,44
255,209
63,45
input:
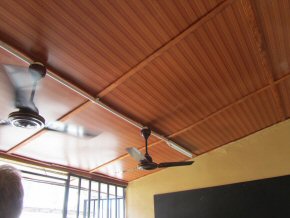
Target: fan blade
x,y
136,154
4,122
23,84
175,164
70,129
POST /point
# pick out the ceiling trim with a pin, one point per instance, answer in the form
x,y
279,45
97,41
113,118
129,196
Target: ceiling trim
x,y
213,12
65,117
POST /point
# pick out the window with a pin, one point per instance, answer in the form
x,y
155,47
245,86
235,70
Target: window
x,y
52,194
43,196
92,199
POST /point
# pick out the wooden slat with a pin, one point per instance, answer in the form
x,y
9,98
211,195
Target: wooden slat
x,y
196,77
91,44
280,83
196,71
273,17
164,48
261,54
257,112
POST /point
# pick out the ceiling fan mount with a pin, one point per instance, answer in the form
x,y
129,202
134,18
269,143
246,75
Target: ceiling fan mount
x,y
38,70
146,132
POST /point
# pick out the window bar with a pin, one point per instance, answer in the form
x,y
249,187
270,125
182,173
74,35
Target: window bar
x,y
94,211
118,204
124,208
79,193
103,208
116,211
108,197
85,208
99,200
43,175
67,184
89,197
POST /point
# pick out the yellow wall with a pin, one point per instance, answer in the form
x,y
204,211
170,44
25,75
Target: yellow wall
x,y
260,155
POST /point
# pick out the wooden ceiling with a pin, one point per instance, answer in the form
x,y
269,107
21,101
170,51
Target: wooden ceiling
x,y
202,73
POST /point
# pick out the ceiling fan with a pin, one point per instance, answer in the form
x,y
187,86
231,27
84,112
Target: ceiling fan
x,y
24,82
145,161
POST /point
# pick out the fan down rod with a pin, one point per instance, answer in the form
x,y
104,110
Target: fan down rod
x,y
94,100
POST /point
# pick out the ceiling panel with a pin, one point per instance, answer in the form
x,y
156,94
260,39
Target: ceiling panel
x,y
92,43
125,168
211,68
253,114
273,18
114,136
52,99
197,74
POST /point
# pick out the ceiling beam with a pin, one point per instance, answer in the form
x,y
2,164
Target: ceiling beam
x,y
287,76
258,41
203,19
63,118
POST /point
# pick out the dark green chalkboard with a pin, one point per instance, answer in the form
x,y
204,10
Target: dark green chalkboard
x,y
267,198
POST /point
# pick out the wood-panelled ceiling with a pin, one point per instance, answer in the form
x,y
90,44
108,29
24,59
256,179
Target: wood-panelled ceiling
x,y
201,73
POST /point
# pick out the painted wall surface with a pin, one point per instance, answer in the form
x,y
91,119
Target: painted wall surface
x,y
261,155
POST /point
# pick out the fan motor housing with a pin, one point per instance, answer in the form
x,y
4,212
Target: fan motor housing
x,y
147,166
26,119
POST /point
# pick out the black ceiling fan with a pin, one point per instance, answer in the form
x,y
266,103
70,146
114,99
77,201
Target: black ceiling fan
x,y
24,82
145,161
